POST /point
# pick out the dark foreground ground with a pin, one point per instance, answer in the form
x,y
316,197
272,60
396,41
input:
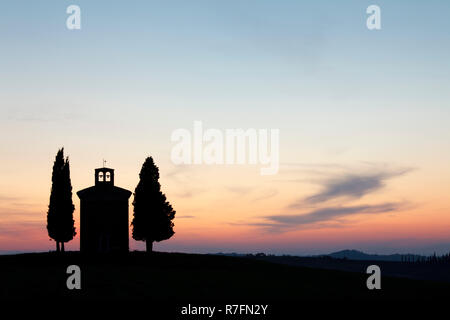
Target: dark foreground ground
x,y
183,279
439,272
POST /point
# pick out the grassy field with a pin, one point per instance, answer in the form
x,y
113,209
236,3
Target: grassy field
x,y
195,279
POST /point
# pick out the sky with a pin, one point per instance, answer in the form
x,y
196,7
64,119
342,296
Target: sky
x,y
362,117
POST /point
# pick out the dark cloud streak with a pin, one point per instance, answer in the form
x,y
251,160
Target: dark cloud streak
x,y
329,216
352,186
330,213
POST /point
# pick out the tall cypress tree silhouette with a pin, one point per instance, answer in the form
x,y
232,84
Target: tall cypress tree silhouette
x,y
60,223
152,213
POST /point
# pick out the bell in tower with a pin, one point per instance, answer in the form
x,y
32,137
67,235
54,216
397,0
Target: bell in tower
x,y
104,176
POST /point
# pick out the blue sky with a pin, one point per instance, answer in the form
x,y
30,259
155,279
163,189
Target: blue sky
x,y
137,70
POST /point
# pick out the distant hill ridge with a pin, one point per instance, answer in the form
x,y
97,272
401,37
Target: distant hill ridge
x,y
359,255
347,254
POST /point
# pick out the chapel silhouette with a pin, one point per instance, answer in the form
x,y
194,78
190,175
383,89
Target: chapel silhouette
x,y
104,215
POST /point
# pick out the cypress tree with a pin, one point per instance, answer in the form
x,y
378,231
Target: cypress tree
x,y
152,213
60,223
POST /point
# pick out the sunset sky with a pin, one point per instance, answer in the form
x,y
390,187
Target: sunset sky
x,y
363,117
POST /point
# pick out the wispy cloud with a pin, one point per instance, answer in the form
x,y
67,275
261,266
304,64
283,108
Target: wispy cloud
x,y
330,213
9,198
266,194
184,178
22,229
329,216
240,190
350,186
333,204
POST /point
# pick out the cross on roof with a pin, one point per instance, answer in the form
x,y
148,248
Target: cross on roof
x,y
104,163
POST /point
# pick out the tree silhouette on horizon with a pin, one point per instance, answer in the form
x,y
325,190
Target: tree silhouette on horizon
x,y
60,222
152,213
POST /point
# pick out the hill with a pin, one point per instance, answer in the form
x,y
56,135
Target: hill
x,y
190,278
